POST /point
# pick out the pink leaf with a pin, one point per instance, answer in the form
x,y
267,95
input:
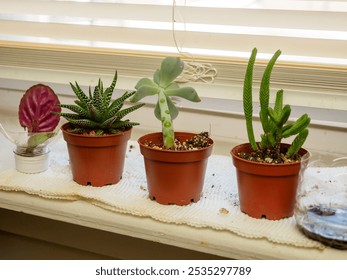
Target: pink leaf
x,y
36,107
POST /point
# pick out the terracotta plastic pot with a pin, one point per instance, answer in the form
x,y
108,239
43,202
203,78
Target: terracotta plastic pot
x,y
266,190
96,160
174,177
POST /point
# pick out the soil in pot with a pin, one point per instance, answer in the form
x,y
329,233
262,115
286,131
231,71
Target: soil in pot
x,y
175,176
273,156
195,142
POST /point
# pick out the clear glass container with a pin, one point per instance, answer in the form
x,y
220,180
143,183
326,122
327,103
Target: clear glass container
x,y
31,149
321,205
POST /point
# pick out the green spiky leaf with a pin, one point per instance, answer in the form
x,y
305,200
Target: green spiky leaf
x,y
97,99
264,94
297,143
247,100
79,93
84,123
279,101
76,109
107,94
70,116
122,113
298,126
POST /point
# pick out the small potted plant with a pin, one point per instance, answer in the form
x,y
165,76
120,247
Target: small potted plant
x,y
175,163
268,170
97,135
35,129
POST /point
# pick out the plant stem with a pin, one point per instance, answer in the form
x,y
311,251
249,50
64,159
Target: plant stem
x,y
166,121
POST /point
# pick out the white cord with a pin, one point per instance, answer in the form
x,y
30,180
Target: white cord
x,y
193,71
197,72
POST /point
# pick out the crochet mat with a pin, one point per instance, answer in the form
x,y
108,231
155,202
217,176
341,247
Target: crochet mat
x,y
218,207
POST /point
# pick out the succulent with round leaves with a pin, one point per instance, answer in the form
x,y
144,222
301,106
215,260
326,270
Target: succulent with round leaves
x,y
273,120
164,86
96,113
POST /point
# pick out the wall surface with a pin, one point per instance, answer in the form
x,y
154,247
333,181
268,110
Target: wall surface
x,y
24,236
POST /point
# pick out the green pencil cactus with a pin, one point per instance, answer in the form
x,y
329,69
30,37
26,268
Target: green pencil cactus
x,y
164,86
274,119
97,113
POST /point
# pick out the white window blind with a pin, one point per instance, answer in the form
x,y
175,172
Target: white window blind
x,y
94,36
305,31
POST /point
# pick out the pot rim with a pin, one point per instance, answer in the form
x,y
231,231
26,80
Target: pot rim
x,y
65,126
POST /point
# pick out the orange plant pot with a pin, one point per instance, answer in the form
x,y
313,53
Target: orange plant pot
x,y
96,160
266,190
174,177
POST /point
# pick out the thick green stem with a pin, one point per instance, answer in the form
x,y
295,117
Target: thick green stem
x,y
247,100
166,121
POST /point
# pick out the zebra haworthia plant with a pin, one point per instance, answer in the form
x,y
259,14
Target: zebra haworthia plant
x,y
164,86
274,119
96,113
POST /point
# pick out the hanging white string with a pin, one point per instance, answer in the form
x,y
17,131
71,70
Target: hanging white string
x,y
193,71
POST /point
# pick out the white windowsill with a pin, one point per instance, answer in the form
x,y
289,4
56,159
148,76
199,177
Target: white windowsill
x,y
210,241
